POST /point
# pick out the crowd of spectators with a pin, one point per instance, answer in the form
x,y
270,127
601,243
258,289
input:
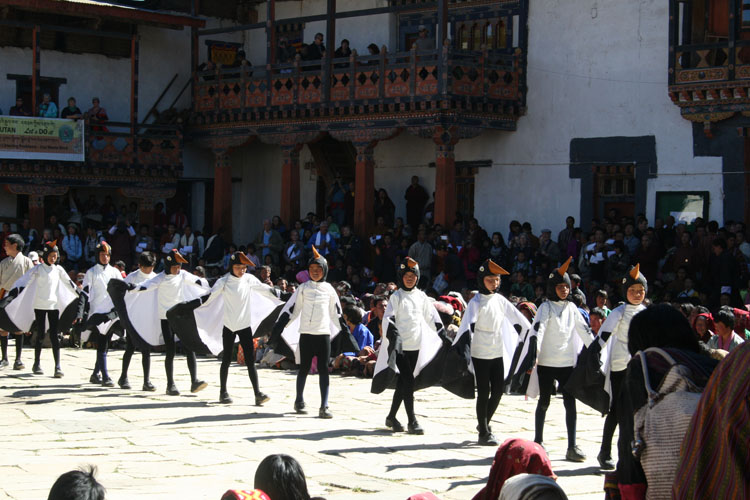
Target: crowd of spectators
x,y
47,108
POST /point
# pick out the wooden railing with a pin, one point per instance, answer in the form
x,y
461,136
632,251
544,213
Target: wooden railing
x,y
714,62
152,145
490,80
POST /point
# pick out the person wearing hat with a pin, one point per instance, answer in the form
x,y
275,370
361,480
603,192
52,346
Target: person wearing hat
x,y
559,332
12,267
423,42
145,272
413,335
243,302
314,311
45,295
145,313
613,336
485,344
101,319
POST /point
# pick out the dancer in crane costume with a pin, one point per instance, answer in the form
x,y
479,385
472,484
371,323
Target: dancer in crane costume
x,y
412,349
145,272
144,310
236,306
310,325
47,296
615,354
102,318
559,332
483,348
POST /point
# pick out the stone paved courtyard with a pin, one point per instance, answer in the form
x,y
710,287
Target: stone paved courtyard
x,y
153,446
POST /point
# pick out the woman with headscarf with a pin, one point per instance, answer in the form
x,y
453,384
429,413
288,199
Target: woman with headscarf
x,y
413,335
658,326
306,327
615,354
560,332
703,326
45,295
515,456
485,343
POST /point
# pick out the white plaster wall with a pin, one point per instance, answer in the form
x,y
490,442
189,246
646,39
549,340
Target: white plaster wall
x,y
258,195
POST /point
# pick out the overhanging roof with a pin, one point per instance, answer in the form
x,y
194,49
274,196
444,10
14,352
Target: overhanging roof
x,y
94,9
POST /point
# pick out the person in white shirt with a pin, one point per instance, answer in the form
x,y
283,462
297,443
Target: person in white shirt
x,y
236,288
44,294
492,326
411,318
613,334
101,316
560,332
145,272
316,305
15,265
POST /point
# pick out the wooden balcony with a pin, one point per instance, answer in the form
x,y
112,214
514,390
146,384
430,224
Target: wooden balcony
x,y
118,156
483,89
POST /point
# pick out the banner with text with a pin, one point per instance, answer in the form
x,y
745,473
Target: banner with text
x,y
28,138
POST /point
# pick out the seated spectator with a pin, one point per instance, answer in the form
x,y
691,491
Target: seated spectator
x,y
725,338
515,456
71,111
73,247
77,485
323,241
282,478
189,246
315,50
47,108
688,292
714,454
252,255
284,53
703,326
596,317
343,51
521,288
97,116
601,298
354,362
19,109
373,50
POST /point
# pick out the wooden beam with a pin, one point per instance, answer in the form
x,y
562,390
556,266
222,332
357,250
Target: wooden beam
x,y
34,69
271,31
331,41
65,29
109,11
323,17
134,88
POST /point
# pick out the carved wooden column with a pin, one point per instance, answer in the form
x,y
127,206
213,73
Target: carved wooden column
x,y
290,202
364,188
222,191
445,177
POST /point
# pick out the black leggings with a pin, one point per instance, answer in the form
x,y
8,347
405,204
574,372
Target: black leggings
x,y
610,423
19,345
405,361
490,381
102,346
145,359
248,348
52,315
547,376
309,347
169,344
